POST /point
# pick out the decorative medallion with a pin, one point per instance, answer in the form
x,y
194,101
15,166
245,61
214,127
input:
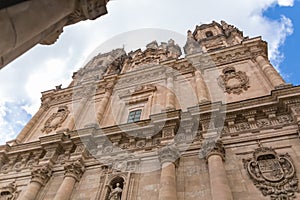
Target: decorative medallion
x,y
273,174
56,119
232,81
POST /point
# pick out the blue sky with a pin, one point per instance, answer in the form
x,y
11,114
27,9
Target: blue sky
x,y
44,67
290,66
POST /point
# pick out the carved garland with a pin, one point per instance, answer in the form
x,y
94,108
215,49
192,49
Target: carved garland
x,y
273,174
233,81
56,119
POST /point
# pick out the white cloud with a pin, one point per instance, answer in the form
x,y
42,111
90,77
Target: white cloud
x,y
43,67
286,2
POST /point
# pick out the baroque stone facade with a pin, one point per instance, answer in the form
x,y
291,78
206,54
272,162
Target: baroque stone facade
x,y
216,123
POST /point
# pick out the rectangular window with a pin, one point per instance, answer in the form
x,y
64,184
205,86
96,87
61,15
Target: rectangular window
x,y
134,116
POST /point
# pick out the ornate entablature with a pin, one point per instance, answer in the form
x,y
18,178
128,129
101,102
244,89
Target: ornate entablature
x,y
273,174
56,119
232,81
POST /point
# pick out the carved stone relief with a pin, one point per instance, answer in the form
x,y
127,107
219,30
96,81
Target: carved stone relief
x,y
41,174
56,119
9,192
74,169
232,81
281,120
273,174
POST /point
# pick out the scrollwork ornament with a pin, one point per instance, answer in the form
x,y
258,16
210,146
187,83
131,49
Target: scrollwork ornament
x,y
274,175
232,81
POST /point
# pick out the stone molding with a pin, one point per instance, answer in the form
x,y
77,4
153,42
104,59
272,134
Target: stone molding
x,y
41,174
74,169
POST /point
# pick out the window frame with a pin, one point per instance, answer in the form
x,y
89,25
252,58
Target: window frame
x,y
134,115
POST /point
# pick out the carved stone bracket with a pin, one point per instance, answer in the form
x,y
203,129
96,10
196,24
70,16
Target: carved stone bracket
x,y
74,169
41,174
274,175
168,154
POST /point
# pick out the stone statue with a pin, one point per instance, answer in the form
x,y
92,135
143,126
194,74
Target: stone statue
x,y
116,193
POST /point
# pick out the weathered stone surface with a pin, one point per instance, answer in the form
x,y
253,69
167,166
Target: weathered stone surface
x,y
200,117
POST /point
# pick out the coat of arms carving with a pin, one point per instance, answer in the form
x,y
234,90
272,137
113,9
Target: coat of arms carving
x,y
56,119
233,81
273,174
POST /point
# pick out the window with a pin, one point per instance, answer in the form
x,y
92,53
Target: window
x,y
209,34
134,116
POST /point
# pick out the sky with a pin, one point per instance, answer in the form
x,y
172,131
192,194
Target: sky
x,y
44,67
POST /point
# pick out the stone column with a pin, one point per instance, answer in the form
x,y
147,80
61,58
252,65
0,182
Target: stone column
x,y
40,176
170,97
270,71
73,173
168,190
201,88
103,104
219,184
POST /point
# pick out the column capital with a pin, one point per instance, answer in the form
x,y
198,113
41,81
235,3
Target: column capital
x,y
41,174
216,149
74,169
168,154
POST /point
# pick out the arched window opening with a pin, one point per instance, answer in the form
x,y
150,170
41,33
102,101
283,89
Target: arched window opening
x,y
209,34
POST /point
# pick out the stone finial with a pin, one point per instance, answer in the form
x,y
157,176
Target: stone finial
x,y
174,51
168,154
41,174
74,169
191,46
152,45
